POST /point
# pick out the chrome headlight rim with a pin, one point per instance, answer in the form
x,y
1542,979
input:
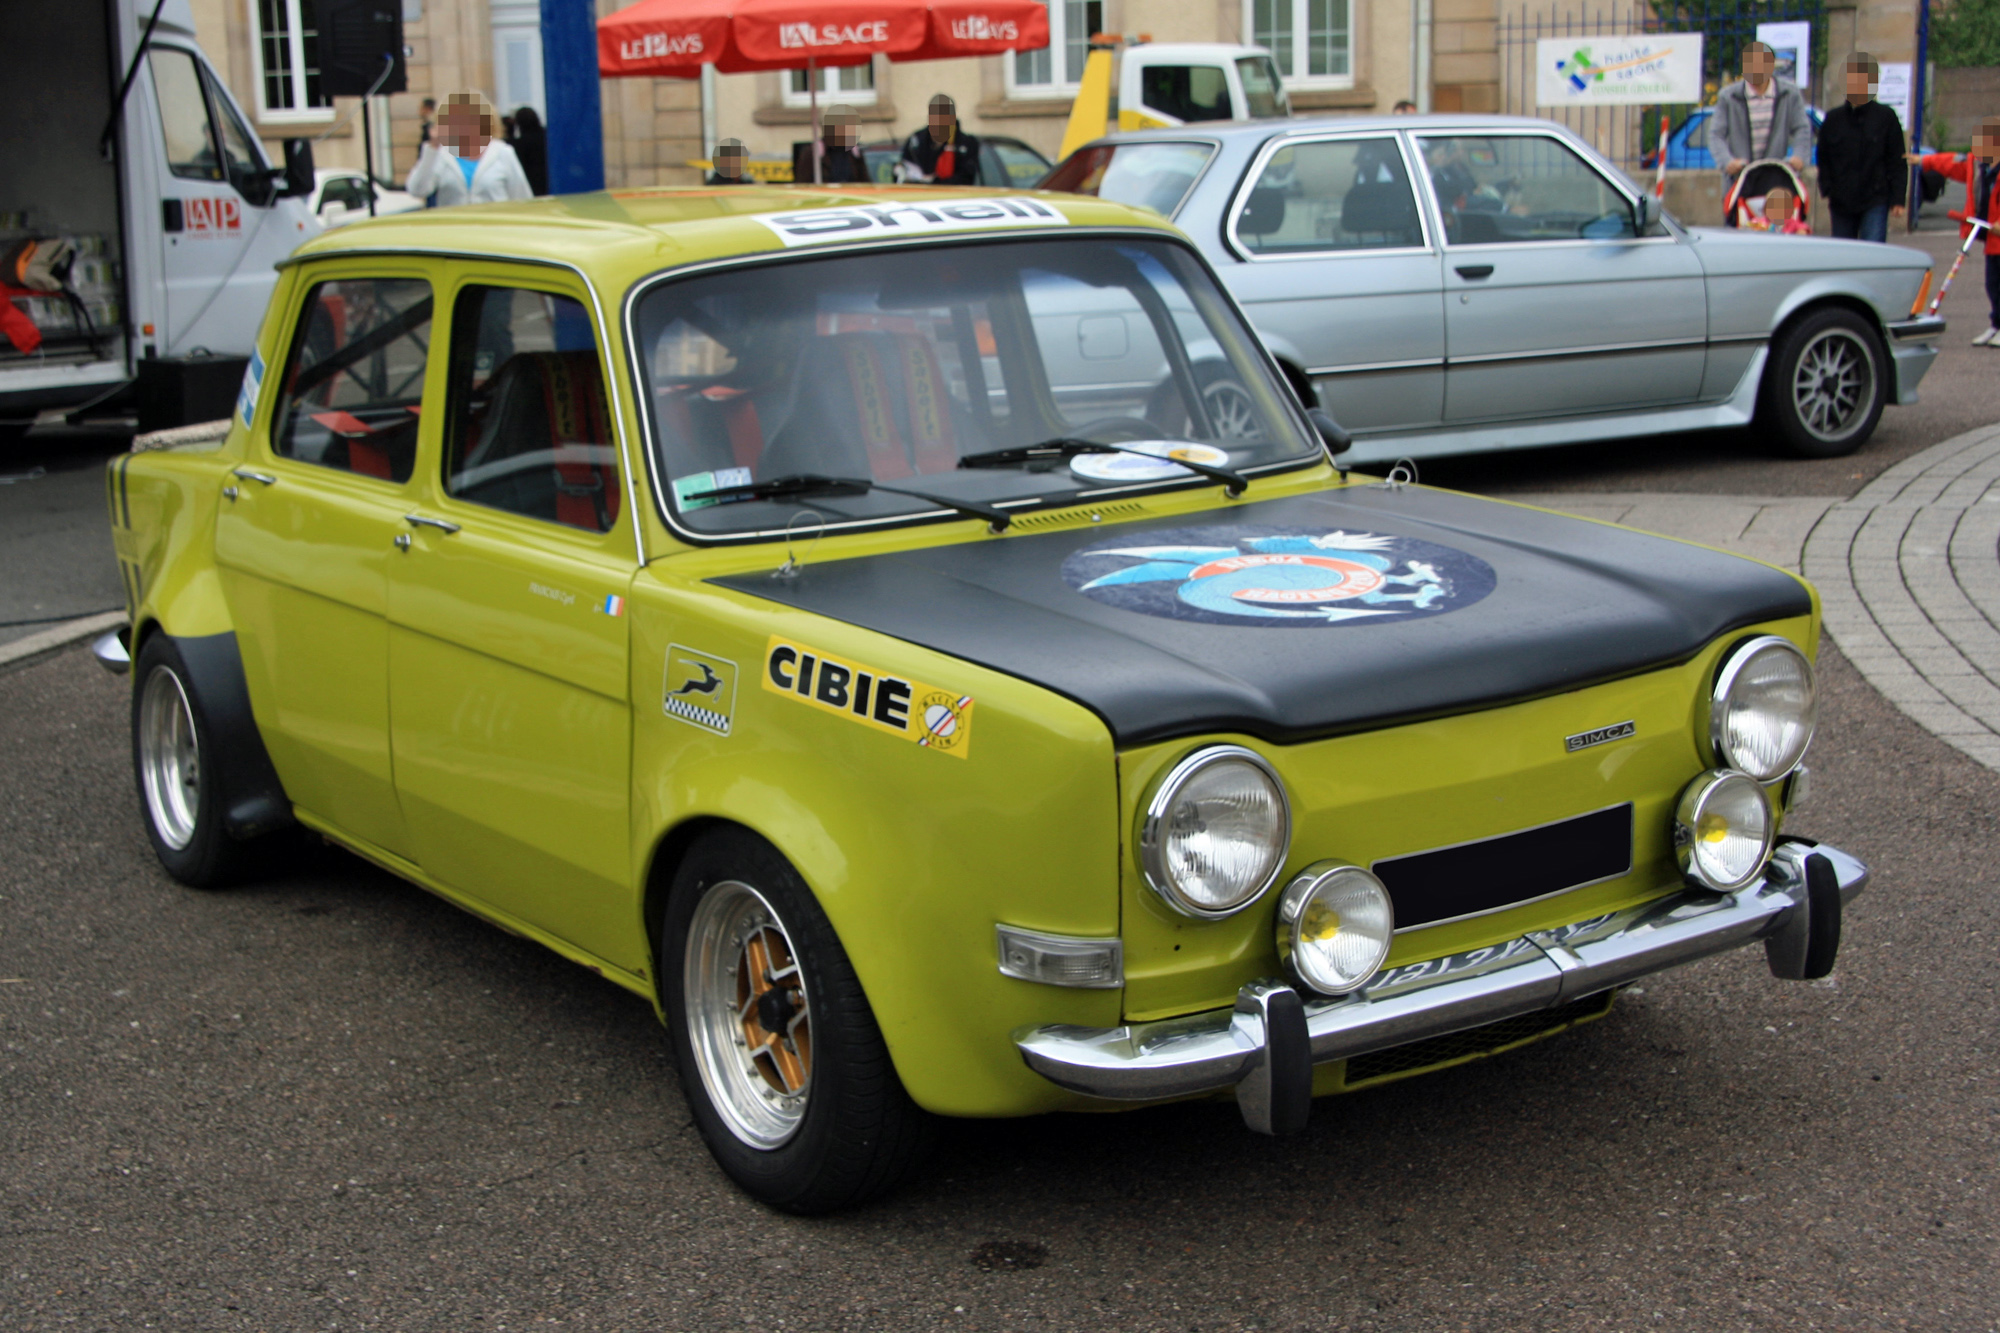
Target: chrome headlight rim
x,y
1694,801
1152,842
1726,677
1298,891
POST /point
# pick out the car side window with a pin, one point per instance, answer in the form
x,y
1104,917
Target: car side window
x,y
1022,169
354,383
1520,188
1340,194
528,427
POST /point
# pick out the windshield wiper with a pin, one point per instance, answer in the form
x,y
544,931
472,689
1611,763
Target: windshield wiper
x,y
806,483
1063,447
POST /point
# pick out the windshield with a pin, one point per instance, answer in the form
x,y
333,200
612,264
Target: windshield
x,y
1149,175
890,367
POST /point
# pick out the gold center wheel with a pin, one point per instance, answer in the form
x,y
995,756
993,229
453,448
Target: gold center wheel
x,y
749,1014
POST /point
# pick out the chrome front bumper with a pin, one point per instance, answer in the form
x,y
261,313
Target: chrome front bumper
x,y
1267,1044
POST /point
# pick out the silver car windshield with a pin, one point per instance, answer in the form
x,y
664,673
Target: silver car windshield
x,y
891,367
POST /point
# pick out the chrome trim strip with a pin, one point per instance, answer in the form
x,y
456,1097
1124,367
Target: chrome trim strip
x,y
1926,326
1417,363
1556,353
1714,338
1209,1051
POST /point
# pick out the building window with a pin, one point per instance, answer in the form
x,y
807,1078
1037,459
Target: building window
x,y
287,48
1057,69
1312,41
851,84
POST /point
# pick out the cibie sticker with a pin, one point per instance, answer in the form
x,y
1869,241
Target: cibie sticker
x,y
1157,464
1274,578
934,718
814,226
700,689
253,383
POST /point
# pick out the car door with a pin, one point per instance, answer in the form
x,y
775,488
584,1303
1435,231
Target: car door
x,y
1552,305
1338,264
510,712
307,528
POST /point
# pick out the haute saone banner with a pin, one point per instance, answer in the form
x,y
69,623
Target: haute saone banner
x,y
1618,71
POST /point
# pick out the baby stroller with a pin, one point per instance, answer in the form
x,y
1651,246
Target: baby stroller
x,y
1743,206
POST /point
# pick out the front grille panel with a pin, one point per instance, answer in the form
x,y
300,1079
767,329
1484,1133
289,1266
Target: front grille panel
x,y
1473,1041
1449,883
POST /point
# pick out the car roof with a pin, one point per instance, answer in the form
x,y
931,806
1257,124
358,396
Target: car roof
x,y
617,236
1263,129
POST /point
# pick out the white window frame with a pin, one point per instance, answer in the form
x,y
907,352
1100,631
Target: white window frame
x,y
830,90
1295,77
1058,38
296,10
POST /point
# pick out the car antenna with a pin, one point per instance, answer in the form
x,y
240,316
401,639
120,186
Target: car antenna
x,y
790,569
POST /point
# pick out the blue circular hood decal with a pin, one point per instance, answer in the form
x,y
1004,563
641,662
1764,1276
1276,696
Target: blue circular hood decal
x,y
1267,577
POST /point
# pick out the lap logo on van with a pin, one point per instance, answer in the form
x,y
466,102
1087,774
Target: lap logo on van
x,y
1270,577
700,689
937,719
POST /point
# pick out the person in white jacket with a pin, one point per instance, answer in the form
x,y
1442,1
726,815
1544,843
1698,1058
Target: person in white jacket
x,y
472,165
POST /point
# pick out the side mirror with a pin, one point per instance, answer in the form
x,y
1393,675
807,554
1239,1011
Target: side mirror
x,y
1643,214
1337,441
299,179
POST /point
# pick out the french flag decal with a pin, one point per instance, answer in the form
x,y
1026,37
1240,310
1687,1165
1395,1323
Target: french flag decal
x,y
614,605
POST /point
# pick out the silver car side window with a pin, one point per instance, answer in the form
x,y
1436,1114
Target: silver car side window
x,y
1502,189
1330,195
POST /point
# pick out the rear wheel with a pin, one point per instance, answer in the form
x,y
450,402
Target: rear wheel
x,y
1826,385
783,1065
178,796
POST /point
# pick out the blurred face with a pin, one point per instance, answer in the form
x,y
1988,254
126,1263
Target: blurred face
x,y
1859,83
465,129
1758,65
942,115
1778,205
730,163
844,134
1986,144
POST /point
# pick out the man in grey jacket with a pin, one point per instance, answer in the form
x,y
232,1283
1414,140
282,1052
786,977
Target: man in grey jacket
x,y
1759,116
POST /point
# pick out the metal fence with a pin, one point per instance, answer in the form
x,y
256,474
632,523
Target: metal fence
x,y
1625,134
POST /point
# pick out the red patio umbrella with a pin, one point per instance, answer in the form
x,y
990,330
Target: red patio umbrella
x,y
675,38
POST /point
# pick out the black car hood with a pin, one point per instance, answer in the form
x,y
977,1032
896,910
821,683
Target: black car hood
x,y
1224,620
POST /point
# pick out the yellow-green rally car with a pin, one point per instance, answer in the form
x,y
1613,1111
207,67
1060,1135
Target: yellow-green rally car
x,y
918,640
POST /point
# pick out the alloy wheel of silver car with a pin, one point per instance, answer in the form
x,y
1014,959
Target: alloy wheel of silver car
x,y
169,759
748,1017
1833,383
1231,414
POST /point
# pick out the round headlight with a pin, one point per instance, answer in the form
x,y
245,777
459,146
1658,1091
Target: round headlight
x,y
1216,831
1760,718
1723,830
1335,922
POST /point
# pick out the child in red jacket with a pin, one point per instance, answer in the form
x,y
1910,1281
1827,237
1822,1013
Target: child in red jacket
x,y
1980,170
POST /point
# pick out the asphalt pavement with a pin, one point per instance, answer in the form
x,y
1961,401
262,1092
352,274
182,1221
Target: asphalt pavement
x,y
329,1100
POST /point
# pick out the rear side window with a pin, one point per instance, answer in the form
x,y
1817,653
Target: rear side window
x,y
354,383
1146,175
529,427
1344,194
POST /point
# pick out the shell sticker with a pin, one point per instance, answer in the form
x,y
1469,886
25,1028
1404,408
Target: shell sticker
x,y
937,719
1270,578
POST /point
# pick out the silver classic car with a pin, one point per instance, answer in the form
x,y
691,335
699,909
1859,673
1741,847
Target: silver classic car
x,y
1453,284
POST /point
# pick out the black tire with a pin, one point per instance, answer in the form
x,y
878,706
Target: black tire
x,y
178,800
1826,385
850,1133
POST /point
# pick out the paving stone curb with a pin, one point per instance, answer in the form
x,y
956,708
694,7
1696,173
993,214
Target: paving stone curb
x,y
1908,573
58,636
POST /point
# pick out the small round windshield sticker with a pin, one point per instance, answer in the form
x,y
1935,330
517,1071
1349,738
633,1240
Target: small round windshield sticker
x,y
1156,465
1275,577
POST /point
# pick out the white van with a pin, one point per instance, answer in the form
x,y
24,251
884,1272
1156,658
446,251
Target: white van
x,y
176,216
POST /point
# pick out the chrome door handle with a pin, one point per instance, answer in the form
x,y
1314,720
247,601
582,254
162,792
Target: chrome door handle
x,y
426,521
1474,272
248,475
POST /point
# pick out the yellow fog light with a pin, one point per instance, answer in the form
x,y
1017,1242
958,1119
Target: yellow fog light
x,y
1723,830
1335,922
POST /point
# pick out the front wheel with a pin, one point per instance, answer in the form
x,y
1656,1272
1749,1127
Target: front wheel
x,y
782,1062
172,750
1826,385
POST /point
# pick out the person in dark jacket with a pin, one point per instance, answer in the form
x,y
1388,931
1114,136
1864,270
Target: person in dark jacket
x,y
732,164
531,145
943,154
1980,170
1861,168
843,163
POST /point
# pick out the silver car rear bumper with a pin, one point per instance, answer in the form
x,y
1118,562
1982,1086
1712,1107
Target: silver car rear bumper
x,y
1267,1044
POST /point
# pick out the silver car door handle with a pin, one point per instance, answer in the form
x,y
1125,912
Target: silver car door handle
x,y
1474,272
248,475
425,521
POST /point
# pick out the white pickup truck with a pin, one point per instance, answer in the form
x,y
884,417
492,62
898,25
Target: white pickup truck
x,y
123,142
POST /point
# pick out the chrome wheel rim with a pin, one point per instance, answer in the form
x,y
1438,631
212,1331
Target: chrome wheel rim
x,y
169,759
1833,383
748,1015
1231,414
